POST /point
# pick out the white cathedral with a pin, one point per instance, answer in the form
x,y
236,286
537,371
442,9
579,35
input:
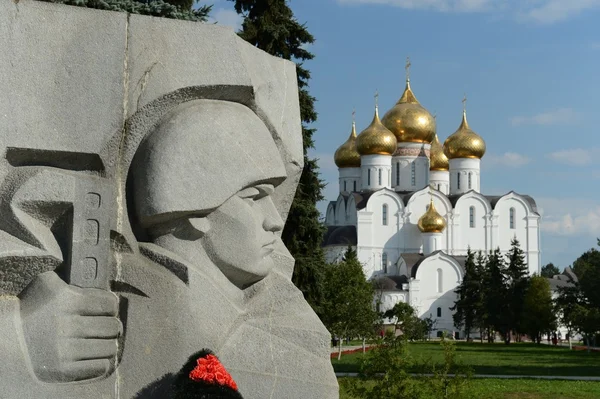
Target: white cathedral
x,y
411,208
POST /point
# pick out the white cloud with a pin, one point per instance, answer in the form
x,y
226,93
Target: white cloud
x,y
556,117
537,11
550,11
510,159
226,17
575,156
570,216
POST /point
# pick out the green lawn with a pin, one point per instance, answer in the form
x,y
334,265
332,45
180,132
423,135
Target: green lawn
x,y
523,389
513,359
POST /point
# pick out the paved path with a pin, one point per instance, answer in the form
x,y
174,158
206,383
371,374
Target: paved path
x,y
502,376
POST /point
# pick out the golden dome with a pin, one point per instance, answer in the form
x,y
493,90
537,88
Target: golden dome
x,y
347,156
437,159
464,143
431,221
376,139
409,121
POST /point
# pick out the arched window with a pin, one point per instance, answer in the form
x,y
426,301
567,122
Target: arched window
x,y
384,262
369,177
440,281
397,173
470,180
379,177
439,312
354,185
458,181
472,216
438,187
413,174
512,218
384,214
345,186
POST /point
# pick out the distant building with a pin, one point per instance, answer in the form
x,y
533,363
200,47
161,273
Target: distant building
x,y
411,207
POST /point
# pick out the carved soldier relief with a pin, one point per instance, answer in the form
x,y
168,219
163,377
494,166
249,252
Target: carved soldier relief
x,y
145,226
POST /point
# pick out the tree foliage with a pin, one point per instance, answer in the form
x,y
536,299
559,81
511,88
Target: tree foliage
x,y
271,26
347,309
467,308
549,270
405,318
539,308
176,9
517,274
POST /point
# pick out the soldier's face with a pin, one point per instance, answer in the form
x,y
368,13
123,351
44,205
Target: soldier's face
x,y
241,235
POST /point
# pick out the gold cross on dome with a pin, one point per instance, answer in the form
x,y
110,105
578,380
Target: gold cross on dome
x,y
353,114
407,68
376,99
464,101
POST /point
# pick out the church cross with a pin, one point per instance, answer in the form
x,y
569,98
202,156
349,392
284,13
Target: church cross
x,y
376,99
407,68
464,101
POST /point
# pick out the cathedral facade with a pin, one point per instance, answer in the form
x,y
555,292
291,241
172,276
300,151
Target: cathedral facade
x,y
411,207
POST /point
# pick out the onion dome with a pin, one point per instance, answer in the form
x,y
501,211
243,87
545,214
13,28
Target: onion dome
x,y
431,221
409,121
347,156
376,139
437,158
464,143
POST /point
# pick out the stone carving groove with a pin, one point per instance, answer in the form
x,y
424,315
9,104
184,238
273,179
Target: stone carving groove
x,y
127,246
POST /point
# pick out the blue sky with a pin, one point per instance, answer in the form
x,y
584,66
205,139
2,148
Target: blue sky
x,y
528,67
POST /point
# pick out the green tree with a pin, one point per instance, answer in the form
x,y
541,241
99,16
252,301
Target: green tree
x,y
549,270
348,300
271,26
494,299
406,319
539,308
566,306
517,274
177,9
468,303
450,379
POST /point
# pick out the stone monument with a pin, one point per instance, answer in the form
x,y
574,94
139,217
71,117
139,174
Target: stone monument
x,y
147,167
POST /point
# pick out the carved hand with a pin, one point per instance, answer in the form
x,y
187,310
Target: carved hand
x,y
71,332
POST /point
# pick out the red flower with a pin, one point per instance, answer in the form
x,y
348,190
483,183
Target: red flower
x,y
210,370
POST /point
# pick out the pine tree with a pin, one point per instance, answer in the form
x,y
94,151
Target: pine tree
x,y
495,283
271,26
518,283
549,270
468,299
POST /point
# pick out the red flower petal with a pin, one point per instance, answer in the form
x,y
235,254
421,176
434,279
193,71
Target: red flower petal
x,y
210,370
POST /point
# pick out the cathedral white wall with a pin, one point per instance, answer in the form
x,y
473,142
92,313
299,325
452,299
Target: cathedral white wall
x,y
374,166
431,242
330,215
404,178
335,253
340,211
433,287
460,170
477,236
526,229
349,179
440,180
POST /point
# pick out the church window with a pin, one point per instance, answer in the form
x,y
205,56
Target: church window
x,y
413,175
512,218
397,173
369,177
438,187
439,312
384,212
440,334
379,177
472,216
440,281
354,185
470,180
458,181
345,186
384,262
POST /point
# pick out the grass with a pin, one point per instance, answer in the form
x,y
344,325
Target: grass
x,y
513,359
523,389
